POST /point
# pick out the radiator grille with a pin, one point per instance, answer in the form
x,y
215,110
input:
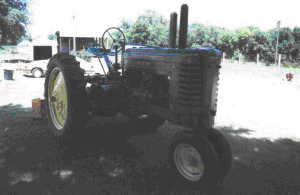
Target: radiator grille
x,y
190,85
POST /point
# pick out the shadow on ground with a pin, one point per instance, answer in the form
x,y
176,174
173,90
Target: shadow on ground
x,y
116,157
239,131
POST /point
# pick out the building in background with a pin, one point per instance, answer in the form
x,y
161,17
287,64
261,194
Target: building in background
x,y
41,48
67,42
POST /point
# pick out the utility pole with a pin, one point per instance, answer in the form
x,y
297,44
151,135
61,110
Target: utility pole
x,y
74,30
278,26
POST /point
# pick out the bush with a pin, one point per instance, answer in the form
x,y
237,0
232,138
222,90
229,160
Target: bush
x,y
268,63
83,54
2,52
236,57
288,64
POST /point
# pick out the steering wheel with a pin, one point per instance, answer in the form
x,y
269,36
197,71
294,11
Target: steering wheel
x,y
115,41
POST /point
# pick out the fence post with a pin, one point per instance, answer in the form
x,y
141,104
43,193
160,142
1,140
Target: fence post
x,y
279,60
239,58
224,57
257,59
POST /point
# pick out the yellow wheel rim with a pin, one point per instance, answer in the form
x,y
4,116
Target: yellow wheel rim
x,y
57,98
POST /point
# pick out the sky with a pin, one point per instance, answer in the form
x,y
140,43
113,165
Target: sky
x,y
93,17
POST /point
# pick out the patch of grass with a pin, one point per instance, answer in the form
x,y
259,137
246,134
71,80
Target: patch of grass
x,y
13,115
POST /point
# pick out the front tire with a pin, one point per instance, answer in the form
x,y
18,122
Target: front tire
x,y
193,161
222,147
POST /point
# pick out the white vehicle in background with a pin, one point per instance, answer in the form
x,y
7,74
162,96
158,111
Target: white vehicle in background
x,y
38,68
87,66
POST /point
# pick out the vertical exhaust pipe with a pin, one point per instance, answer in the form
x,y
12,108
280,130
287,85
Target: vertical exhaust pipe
x,y
183,26
173,30
58,41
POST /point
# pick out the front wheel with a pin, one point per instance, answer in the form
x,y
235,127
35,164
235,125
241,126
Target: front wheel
x,y
222,147
193,161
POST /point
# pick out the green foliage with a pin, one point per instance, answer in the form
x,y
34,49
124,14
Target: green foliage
x,y
153,29
52,37
196,35
291,65
236,57
83,54
201,36
13,21
150,29
296,34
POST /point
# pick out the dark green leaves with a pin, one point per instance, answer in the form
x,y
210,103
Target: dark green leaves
x,y
13,20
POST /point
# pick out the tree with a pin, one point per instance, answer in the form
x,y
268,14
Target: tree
x,y
226,44
13,20
52,37
296,34
252,47
296,48
153,29
286,43
195,35
201,36
150,28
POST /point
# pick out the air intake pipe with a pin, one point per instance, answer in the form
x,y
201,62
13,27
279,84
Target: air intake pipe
x,y
173,30
182,30
183,26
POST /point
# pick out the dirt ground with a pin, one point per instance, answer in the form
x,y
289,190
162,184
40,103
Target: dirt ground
x,y
123,158
259,98
21,90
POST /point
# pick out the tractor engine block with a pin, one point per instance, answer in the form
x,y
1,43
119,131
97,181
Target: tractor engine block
x,y
139,87
192,79
104,99
144,89
146,82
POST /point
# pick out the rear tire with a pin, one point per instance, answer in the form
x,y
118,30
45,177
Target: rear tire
x,y
66,99
185,168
